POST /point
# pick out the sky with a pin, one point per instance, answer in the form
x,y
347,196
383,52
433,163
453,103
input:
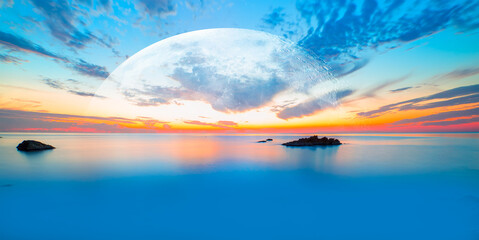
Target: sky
x,y
300,66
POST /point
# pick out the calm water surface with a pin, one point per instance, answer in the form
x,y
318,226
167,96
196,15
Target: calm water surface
x,y
152,186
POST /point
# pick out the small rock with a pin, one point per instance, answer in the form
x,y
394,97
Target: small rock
x,y
269,139
31,145
313,141
262,141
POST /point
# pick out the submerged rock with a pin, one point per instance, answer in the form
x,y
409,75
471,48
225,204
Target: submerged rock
x,y
267,140
31,145
313,141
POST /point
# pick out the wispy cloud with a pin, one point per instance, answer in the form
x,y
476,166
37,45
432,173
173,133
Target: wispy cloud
x,y
150,101
313,106
20,44
59,18
416,102
23,103
399,89
155,95
90,69
10,59
227,123
16,120
373,91
453,122
26,100
274,18
61,86
441,116
62,19
53,83
194,5
343,32
474,98
219,124
85,94
156,8
6,3
105,5
457,74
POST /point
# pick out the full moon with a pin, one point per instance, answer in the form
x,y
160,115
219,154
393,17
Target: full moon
x,y
236,75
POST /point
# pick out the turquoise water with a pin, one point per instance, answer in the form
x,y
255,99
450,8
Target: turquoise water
x,y
152,186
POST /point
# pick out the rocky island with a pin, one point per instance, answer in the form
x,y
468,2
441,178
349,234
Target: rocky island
x,y
313,141
31,145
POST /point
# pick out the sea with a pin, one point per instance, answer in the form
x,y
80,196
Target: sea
x,y
207,186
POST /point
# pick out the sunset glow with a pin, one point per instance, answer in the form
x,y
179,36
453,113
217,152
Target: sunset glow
x,y
235,80
239,119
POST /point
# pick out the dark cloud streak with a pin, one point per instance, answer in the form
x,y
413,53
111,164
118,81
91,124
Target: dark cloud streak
x,y
84,94
89,69
10,59
447,103
440,116
53,84
400,89
411,104
59,85
453,122
20,44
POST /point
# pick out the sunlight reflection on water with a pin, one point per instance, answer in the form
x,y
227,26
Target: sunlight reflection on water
x,y
148,186
98,155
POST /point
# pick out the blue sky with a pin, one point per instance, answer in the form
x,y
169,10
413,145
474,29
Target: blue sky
x,y
376,49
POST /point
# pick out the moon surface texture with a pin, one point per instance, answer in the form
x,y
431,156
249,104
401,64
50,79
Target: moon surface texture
x,y
218,74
